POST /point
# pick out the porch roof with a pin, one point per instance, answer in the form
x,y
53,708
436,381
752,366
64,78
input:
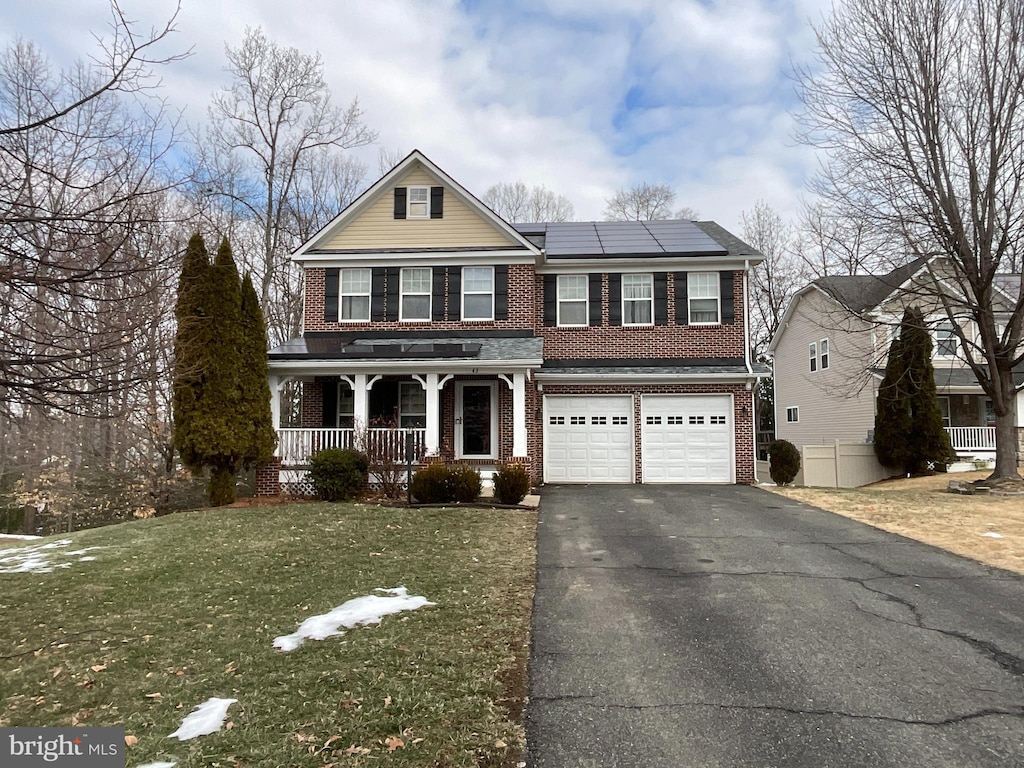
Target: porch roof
x,y
370,347
960,378
657,368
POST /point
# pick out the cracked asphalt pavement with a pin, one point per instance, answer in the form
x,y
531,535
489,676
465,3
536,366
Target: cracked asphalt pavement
x,y
693,626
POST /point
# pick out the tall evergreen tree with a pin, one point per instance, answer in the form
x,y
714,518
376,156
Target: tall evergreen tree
x,y
255,395
909,434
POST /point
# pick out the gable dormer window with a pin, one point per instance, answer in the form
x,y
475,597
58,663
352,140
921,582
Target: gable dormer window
x,y
418,202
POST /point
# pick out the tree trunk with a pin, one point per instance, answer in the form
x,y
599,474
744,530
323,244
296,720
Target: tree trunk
x,y
1006,427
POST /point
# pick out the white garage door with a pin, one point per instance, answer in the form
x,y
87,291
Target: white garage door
x,y
687,438
588,439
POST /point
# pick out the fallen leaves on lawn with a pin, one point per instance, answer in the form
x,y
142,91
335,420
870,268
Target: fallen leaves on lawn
x,y
354,750
393,743
130,741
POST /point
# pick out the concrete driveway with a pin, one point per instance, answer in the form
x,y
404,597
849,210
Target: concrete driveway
x,y
726,626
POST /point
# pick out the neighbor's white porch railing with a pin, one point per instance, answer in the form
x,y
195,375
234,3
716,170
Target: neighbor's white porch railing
x,y
296,446
972,438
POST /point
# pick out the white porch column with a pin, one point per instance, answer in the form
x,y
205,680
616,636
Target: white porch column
x,y
432,438
359,400
275,401
519,415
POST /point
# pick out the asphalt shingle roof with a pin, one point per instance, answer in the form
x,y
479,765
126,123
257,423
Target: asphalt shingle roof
x,y
370,347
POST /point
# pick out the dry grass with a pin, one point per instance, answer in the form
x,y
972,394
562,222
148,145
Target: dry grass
x,y
921,508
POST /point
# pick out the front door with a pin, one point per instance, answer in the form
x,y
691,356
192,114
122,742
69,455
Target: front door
x,y
476,433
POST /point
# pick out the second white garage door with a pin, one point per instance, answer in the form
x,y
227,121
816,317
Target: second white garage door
x,y
686,438
588,439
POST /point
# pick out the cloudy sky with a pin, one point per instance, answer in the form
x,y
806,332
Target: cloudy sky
x,y
583,96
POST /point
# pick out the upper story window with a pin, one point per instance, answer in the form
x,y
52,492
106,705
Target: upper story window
x,y
418,202
572,300
793,414
702,295
813,355
637,299
945,339
415,299
823,353
355,295
478,293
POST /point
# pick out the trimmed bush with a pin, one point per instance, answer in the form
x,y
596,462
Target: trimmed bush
x,y
432,484
511,483
464,482
338,473
784,461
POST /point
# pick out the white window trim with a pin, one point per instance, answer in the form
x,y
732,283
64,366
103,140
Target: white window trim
x,y
401,413
824,355
585,300
343,387
462,309
409,202
947,420
689,298
623,300
812,357
952,337
367,294
402,293
796,412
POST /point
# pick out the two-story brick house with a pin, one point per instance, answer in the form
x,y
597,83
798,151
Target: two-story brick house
x,y
591,352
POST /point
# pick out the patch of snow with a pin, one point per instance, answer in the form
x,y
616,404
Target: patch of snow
x,y
369,609
207,718
158,764
19,536
38,559
992,535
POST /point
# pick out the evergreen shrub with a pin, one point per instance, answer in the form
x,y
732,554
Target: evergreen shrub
x,y
511,483
465,483
784,461
339,474
432,484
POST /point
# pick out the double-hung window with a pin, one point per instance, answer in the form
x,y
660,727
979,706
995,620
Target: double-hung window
x,y
702,295
572,300
415,301
478,293
412,405
346,406
813,355
418,203
823,353
637,299
945,339
355,295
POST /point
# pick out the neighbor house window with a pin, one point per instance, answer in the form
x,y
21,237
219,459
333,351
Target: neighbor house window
x,y
944,410
637,299
572,299
703,298
478,293
346,406
793,414
418,202
412,405
355,295
823,353
813,355
415,302
945,339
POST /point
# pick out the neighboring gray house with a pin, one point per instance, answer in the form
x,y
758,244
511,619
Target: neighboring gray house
x,y
829,358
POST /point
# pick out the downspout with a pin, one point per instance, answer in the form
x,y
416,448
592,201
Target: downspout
x,y
746,361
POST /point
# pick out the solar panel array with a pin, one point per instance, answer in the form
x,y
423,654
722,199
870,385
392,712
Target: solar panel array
x,y
626,238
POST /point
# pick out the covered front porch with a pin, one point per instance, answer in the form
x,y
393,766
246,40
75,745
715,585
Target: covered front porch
x,y
970,423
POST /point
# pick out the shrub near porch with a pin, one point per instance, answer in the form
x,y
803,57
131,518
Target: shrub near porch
x,y
175,610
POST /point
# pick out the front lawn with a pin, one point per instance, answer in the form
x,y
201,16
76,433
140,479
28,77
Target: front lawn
x,y
179,609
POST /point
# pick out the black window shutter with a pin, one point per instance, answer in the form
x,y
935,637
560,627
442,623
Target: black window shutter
x,y
400,193
501,292
437,295
728,309
332,287
377,295
391,305
682,307
437,202
330,398
550,299
594,297
455,293
661,298
615,299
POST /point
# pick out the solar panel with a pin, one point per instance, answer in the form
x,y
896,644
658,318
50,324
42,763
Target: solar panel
x,y
608,238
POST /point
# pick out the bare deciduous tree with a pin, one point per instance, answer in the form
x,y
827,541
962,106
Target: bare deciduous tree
x,y
920,105
833,243
646,202
272,137
514,201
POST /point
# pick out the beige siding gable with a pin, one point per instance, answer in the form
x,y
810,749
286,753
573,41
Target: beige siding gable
x,y
376,227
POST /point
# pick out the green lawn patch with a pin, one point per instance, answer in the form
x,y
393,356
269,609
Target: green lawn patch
x,y
175,610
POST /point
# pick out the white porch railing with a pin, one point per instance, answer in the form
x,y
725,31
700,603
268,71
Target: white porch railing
x,y
972,438
296,446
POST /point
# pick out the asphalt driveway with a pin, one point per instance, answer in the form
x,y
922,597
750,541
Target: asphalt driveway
x,y
726,626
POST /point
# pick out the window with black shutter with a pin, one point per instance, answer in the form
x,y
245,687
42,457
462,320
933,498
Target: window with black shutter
x,y
400,198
